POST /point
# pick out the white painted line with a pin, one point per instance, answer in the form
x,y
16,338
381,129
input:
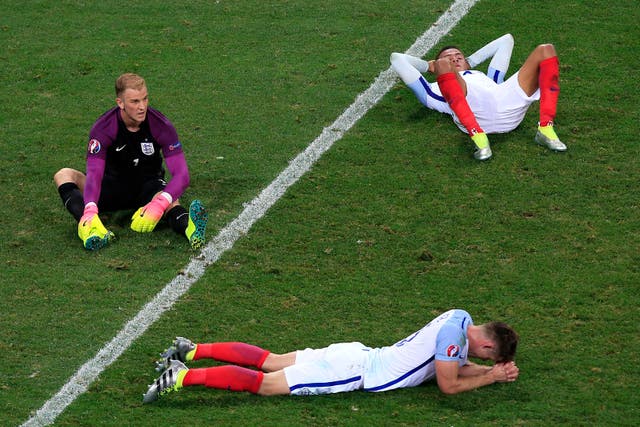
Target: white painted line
x,y
253,211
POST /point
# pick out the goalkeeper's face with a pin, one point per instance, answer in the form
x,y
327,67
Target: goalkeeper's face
x,y
133,105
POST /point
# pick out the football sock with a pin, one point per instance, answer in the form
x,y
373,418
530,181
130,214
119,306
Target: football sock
x,y
181,375
229,377
549,89
232,352
72,199
178,219
454,95
548,131
480,139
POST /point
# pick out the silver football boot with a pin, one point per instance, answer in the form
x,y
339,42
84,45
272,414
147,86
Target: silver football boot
x,y
166,383
178,351
482,153
552,144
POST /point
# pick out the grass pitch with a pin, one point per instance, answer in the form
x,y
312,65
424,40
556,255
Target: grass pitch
x,y
394,224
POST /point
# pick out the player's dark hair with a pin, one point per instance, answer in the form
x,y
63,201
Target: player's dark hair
x,y
451,46
505,338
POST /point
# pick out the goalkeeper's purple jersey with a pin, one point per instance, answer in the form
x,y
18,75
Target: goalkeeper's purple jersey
x,y
115,151
411,361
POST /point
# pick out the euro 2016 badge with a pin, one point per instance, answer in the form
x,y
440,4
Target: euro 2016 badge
x,y
453,350
147,148
94,146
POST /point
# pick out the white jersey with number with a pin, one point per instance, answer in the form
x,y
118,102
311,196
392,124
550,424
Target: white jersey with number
x,y
411,361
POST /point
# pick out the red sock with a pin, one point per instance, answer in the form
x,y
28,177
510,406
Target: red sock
x,y
549,89
233,378
454,95
232,352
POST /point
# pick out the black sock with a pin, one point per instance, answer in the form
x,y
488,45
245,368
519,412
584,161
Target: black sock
x,y
178,218
72,199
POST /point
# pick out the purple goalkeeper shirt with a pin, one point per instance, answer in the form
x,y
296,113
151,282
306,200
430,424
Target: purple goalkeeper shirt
x,y
116,151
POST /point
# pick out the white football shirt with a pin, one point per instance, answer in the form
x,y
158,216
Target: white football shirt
x,y
411,361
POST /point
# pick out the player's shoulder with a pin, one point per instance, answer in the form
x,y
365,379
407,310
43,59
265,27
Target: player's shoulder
x,y
456,319
454,327
107,117
157,116
106,126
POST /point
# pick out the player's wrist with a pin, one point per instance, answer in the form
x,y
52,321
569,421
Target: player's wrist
x,y
167,196
492,373
161,201
90,209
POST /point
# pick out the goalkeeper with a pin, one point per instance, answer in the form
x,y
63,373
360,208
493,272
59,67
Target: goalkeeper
x,y
127,145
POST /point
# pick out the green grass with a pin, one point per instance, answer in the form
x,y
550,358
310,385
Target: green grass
x,y
393,225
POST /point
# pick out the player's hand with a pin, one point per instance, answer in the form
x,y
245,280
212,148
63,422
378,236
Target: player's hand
x,y
505,372
146,218
90,211
93,234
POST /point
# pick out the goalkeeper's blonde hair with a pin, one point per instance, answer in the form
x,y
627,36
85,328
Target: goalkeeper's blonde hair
x,y
128,81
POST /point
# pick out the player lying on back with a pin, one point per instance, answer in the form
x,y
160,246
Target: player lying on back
x,y
480,103
439,350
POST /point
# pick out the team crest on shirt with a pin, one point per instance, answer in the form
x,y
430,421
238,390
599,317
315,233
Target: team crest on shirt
x,y
147,148
94,146
453,350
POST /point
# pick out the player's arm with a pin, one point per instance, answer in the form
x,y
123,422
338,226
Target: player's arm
x,y
453,379
91,231
145,219
410,69
93,182
499,50
472,369
177,167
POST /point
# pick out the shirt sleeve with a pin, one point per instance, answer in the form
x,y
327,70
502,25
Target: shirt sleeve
x,y
499,50
177,166
93,184
449,343
101,136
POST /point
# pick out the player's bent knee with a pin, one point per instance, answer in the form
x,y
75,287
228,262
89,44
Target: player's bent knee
x,y
547,50
66,175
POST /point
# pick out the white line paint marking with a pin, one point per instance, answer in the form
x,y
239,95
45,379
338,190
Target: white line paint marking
x,y
253,211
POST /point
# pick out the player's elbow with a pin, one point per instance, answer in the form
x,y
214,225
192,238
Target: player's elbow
x,y
395,56
449,390
508,39
183,177
448,387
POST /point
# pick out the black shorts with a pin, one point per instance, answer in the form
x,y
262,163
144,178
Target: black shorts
x,y
118,194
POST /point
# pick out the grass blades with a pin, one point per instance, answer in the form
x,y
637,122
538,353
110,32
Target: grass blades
x,y
393,225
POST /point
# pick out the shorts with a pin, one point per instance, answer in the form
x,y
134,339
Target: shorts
x,y
118,194
499,108
334,369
